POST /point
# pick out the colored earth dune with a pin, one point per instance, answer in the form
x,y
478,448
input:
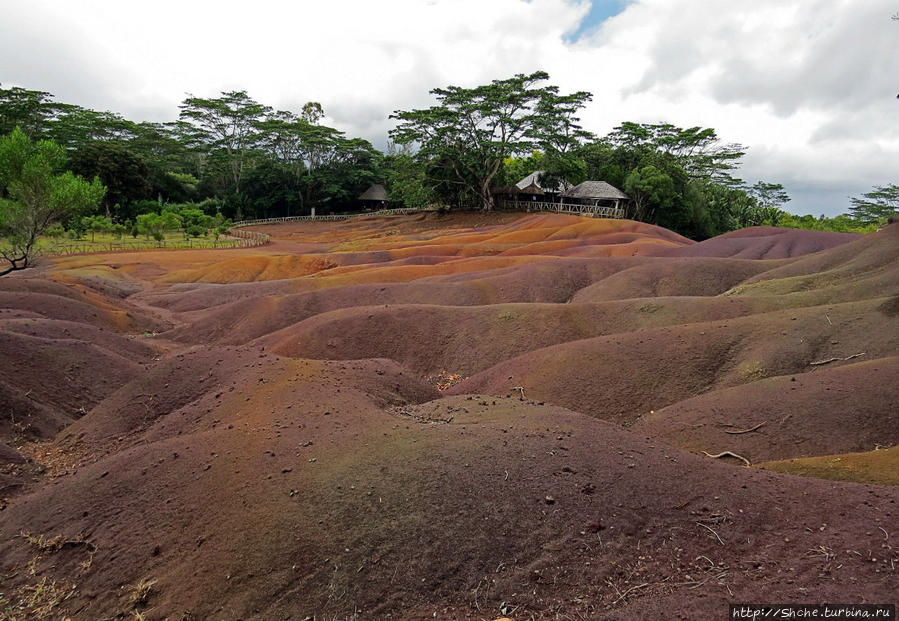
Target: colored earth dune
x,y
452,416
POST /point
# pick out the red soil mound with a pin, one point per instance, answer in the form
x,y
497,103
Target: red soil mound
x,y
429,339
49,381
546,281
622,377
874,255
764,242
823,411
326,510
672,277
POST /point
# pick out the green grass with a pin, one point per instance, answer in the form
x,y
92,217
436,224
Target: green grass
x,y
105,242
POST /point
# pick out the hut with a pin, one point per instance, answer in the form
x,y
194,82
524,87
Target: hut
x,y
597,197
529,191
374,197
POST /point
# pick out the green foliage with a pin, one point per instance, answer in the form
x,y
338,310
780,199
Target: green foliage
x,y
876,206
55,230
30,111
467,136
118,230
407,182
233,156
121,170
517,168
155,225
650,188
73,127
843,223
226,124
38,195
96,224
768,195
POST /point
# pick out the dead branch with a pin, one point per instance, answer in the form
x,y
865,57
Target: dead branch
x,y
829,360
712,531
633,588
734,433
728,454
521,388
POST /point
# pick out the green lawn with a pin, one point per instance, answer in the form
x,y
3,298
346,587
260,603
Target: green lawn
x,y
105,242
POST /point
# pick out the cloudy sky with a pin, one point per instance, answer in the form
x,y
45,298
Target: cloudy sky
x,y
809,86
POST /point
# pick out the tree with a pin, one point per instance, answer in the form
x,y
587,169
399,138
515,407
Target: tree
x,y
473,130
768,195
155,225
120,169
38,196
325,164
697,150
650,188
96,224
876,206
227,123
406,181
28,110
74,126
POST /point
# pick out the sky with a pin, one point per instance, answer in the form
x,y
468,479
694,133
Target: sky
x,y
808,86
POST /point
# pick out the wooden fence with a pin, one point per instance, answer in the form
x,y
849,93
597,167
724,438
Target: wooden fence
x,y
402,211
594,211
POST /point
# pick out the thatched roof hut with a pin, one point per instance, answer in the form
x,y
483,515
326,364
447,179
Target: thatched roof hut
x,y
531,185
596,190
375,193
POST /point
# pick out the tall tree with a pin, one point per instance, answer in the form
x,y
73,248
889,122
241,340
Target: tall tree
x,y
698,150
30,111
75,126
227,123
471,131
768,195
876,206
650,188
120,169
38,196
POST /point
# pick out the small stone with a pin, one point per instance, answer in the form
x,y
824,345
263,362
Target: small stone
x,y
550,501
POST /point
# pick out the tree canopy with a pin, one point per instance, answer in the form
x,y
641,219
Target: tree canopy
x,y
471,131
37,195
877,205
231,156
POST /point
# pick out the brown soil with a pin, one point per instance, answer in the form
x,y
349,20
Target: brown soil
x,y
826,409
457,416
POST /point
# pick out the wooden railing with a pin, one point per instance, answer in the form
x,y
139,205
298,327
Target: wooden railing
x,y
595,211
401,211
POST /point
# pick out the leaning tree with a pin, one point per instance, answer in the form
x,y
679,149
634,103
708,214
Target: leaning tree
x,y
470,131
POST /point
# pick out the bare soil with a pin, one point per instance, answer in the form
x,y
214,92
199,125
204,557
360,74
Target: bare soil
x,y
458,416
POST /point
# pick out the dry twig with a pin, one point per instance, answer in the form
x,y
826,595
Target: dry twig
x,y
633,588
712,531
816,363
734,433
728,454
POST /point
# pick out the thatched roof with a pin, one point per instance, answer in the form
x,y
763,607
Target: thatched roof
x,y
376,192
595,189
531,184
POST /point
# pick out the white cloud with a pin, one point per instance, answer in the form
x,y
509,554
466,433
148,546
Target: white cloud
x,y
807,85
